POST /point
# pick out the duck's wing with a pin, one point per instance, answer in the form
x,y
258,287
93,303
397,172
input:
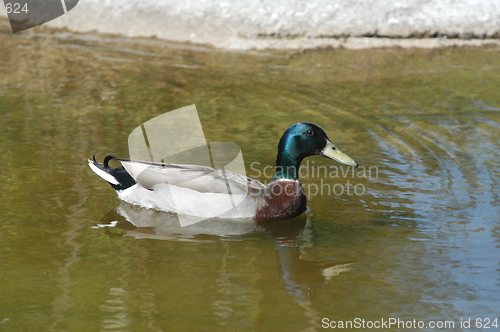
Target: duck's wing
x,y
202,179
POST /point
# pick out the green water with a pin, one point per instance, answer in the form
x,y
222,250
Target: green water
x,y
420,240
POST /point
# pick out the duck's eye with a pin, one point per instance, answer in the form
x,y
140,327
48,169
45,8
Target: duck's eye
x,y
309,132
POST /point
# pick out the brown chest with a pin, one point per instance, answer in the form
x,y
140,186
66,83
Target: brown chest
x,y
284,199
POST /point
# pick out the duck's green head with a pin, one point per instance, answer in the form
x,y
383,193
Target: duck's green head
x,y
302,140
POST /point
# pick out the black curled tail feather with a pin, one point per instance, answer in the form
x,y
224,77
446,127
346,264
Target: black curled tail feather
x,y
120,179
106,160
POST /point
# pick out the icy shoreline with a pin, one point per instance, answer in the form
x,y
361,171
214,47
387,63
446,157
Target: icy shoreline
x,y
287,24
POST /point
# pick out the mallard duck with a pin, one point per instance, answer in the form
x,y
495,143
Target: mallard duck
x,y
204,192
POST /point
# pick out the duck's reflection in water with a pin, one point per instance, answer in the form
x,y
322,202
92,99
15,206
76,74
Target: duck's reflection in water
x,y
151,224
291,238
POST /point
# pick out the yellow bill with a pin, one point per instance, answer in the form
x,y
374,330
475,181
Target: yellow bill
x,y
332,152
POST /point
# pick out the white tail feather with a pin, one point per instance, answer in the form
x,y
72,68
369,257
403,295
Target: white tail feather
x,y
106,176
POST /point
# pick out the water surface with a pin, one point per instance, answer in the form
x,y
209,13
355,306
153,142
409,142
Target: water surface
x,y
418,240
